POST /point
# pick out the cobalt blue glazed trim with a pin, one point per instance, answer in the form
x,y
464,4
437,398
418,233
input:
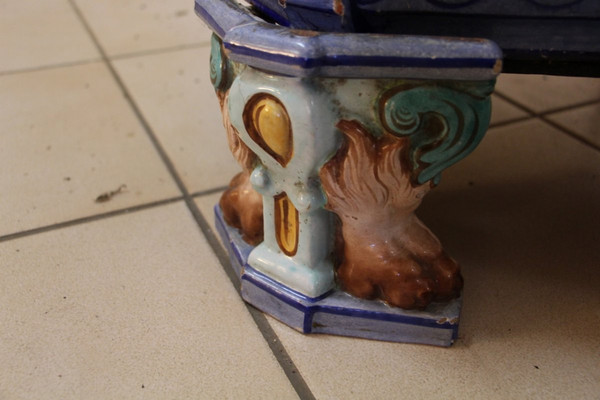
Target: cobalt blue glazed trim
x,y
221,16
271,12
322,15
324,6
382,316
251,41
362,55
293,299
210,21
334,60
334,303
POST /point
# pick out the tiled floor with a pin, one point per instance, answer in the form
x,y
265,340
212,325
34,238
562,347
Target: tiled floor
x,y
129,299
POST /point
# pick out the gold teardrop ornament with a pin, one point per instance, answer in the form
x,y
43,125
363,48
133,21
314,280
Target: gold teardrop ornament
x,y
268,124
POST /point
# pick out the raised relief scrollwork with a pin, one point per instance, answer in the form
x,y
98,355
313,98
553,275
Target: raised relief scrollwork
x,y
443,124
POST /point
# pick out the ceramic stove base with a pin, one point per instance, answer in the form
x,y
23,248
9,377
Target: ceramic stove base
x,y
336,312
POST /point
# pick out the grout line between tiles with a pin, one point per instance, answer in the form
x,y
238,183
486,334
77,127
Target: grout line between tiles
x,y
543,116
571,133
569,107
96,217
510,121
515,103
163,50
277,348
90,218
50,66
549,111
209,191
279,351
134,107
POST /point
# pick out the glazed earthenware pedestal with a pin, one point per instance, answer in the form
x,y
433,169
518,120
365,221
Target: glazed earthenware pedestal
x,y
336,312
340,136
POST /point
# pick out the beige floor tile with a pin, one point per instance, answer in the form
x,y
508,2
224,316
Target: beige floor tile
x,y
206,206
41,33
521,216
129,26
542,93
135,306
503,111
207,203
69,136
175,94
349,368
584,121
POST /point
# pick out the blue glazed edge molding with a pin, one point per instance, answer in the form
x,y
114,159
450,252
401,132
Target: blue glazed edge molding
x,y
265,46
336,312
555,37
322,15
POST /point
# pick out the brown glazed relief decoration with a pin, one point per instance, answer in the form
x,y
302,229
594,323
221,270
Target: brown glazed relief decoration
x,y
241,205
376,181
387,252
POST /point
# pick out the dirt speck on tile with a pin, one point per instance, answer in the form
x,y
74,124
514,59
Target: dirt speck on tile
x,y
107,196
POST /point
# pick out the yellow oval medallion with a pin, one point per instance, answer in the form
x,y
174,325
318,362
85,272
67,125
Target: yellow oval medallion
x,y
286,224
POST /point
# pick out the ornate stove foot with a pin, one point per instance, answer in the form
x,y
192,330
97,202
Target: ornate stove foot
x,y
386,253
349,128
242,208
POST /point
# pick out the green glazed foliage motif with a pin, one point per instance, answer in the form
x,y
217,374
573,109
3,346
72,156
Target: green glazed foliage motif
x,y
444,124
